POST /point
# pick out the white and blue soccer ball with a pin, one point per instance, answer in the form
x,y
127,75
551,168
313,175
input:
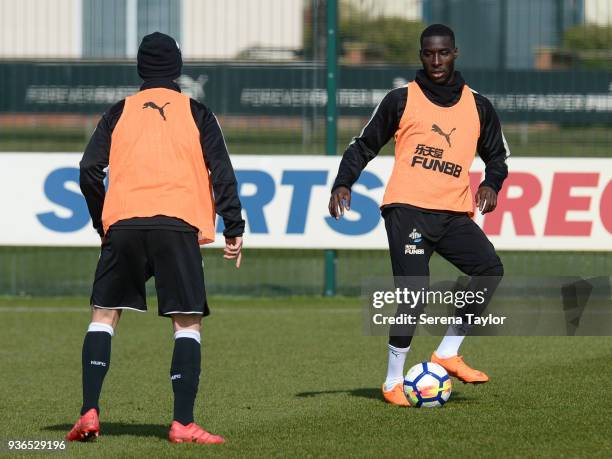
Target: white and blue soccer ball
x,y
427,385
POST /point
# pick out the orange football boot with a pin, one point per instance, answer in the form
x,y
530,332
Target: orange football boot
x,y
86,428
396,395
192,433
455,366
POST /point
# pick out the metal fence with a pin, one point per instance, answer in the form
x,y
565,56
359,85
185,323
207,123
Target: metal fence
x,y
260,65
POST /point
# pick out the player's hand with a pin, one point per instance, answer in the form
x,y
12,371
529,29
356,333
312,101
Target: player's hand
x,y
339,201
233,249
486,199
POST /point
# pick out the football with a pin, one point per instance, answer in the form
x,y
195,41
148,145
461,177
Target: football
x,y
427,385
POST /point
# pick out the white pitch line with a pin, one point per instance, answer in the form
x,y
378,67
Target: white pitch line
x,y
287,310
55,309
42,309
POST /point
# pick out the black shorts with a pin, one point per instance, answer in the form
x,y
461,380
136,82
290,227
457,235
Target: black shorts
x,y
414,234
130,257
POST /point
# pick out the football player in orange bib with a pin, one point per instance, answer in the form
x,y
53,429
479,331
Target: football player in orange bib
x,y
438,124
169,175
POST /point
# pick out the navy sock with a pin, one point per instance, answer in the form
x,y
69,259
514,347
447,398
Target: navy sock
x,y
185,377
96,360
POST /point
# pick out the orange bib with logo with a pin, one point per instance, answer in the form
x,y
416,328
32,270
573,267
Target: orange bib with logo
x,y
434,150
157,165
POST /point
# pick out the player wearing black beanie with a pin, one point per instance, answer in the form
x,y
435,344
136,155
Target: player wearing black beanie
x,y
159,57
168,180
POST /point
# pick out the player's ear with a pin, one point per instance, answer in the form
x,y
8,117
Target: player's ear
x,y
455,53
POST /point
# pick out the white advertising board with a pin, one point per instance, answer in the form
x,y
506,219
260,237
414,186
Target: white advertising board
x,y
546,203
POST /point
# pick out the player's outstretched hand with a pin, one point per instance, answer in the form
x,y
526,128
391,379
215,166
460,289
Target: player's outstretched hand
x,y
340,199
486,199
233,249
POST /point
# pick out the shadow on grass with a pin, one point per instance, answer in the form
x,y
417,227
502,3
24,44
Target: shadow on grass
x,y
371,392
121,428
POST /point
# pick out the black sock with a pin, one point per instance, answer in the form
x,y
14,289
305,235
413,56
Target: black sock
x,y
185,377
401,342
96,360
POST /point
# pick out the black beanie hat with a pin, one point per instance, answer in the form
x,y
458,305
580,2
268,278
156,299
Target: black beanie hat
x,y
159,57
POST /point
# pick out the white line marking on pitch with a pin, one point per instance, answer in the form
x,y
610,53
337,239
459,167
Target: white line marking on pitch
x,y
32,309
42,309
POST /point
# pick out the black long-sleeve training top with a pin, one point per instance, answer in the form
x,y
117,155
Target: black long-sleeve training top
x,y
225,190
385,120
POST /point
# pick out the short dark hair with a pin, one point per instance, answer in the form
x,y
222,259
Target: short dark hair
x,y
438,30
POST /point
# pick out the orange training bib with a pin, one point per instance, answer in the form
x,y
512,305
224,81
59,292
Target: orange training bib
x,y
434,150
157,165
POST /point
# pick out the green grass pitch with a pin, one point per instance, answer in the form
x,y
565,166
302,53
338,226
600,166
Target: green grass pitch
x,y
296,377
